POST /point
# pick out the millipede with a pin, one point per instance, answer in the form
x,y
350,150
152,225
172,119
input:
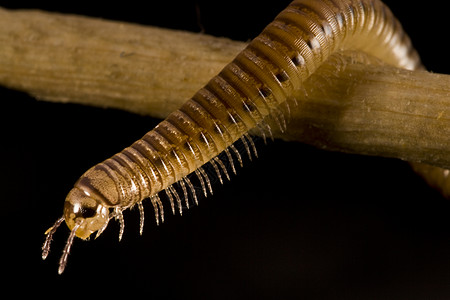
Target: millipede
x,y
256,86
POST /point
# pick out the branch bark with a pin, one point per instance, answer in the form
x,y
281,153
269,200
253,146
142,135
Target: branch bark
x,y
146,70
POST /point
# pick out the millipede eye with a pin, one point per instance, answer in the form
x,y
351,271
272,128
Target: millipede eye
x,y
88,212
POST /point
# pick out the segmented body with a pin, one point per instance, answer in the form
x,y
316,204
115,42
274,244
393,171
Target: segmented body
x,y
253,87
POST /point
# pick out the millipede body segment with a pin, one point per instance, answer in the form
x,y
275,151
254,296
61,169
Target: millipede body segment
x,y
258,84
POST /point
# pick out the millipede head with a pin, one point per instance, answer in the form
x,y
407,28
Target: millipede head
x,y
80,208
83,215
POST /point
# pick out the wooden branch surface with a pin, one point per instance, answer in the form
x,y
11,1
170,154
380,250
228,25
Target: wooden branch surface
x,y
67,58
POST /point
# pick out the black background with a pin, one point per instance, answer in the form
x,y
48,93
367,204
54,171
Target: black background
x,y
296,223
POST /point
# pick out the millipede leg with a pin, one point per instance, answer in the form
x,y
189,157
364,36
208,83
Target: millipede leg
x,y
252,144
267,127
155,208
222,166
238,155
288,111
161,207
119,217
177,197
247,148
208,182
191,187
230,159
202,182
216,168
263,134
185,193
141,217
172,203
100,231
280,119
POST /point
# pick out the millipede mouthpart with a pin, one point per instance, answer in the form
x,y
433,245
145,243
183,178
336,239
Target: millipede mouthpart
x,y
256,86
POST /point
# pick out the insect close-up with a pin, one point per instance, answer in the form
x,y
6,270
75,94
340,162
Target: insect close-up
x,y
292,220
